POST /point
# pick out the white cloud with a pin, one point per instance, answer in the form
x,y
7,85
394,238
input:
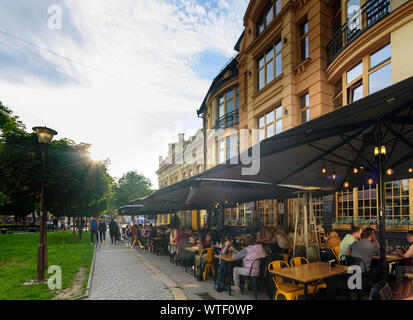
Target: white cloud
x,y
146,50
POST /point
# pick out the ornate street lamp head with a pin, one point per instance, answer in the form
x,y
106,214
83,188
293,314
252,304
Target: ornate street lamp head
x,y
44,134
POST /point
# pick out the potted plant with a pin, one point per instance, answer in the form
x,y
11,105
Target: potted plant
x,y
366,223
343,224
396,225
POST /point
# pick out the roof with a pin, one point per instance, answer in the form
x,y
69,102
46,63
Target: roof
x,y
217,82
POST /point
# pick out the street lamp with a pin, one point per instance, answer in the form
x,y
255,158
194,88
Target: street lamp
x,y
45,136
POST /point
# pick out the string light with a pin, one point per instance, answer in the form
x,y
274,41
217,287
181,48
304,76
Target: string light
x,y
355,170
389,172
410,170
334,176
370,181
324,170
346,184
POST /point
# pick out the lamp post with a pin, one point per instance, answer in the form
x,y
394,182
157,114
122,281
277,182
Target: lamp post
x,y
45,136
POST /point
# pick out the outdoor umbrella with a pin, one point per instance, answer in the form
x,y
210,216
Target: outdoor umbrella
x,y
353,146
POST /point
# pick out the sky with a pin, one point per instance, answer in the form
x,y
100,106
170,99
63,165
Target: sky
x,y
124,75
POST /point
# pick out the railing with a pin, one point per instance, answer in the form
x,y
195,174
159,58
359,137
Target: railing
x,y
229,120
368,15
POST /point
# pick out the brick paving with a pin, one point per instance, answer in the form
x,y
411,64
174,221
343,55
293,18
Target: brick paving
x,y
120,275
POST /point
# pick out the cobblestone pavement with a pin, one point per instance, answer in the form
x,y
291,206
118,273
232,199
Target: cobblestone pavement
x,y
120,275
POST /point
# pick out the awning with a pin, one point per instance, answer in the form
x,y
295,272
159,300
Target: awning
x,y
339,142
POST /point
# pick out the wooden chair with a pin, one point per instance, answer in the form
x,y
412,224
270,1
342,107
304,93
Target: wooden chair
x,y
336,251
209,252
288,290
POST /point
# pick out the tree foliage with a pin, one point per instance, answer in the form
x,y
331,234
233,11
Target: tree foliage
x,y
131,186
75,185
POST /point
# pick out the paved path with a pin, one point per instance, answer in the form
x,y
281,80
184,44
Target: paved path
x,y
120,275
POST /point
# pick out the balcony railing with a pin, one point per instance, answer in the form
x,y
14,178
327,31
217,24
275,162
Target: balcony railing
x,y
229,120
368,15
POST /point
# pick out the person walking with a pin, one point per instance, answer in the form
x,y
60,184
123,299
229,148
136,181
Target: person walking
x,y
93,225
113,231
102,230
129,236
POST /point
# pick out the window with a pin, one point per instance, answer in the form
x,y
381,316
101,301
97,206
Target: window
x,y
338,94
355,83
367,202
228,103
380,73
270,65
266,212
345,204
268,15
318,210
397,200
221,151
271,123
366,78
231,147
305,108
304,41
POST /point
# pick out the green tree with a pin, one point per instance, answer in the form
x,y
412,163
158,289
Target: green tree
x,y
130,186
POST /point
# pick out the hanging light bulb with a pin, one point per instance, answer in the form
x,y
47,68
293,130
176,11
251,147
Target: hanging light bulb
x,y
410,170
346,185
389,172
355,170
370,181
334,176
376,151
383,150
324,170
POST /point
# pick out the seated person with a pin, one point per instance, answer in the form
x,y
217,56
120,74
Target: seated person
x,y
402,269
264,235
365,249
281,239
349,238
208,241
323,237
333,240
226,248
250,254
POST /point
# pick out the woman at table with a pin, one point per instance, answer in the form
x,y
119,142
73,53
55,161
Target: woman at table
x,y
264,235
249,255
333,240
401,270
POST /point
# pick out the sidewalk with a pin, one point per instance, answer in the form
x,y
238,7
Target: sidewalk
x,y
120,275
193,289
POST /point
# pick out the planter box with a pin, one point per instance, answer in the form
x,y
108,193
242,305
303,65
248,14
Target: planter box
x,y
371,226
398,228
342,227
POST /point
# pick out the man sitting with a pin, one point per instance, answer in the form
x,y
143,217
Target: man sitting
x,y
348,240
401,270
365,249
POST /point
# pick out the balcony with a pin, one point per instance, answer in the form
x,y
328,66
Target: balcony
x,y
368,15
227,121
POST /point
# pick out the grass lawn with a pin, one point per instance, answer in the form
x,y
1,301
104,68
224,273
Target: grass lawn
x,y
18,263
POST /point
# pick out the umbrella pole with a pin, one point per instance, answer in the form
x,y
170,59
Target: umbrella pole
x,y
382,218
382,202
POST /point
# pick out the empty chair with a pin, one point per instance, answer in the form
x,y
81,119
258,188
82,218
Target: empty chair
x,y
289,290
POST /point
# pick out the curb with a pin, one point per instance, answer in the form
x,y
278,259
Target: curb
x,y
168,283
89,282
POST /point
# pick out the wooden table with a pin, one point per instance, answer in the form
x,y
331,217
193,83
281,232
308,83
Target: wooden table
x,y
390,258
309,273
